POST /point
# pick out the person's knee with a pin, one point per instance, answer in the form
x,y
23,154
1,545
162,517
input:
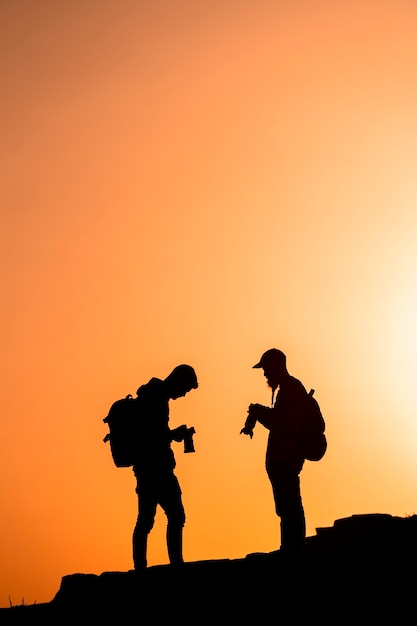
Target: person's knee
x,y
144,524
176,519
289,505
179,520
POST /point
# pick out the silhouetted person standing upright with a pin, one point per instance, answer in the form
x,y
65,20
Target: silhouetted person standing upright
x,y
284,458
155,463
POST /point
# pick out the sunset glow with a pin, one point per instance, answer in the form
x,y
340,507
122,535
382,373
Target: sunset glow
x,y
195,183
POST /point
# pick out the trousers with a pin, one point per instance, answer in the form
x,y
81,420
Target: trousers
x,y
285,480
162,489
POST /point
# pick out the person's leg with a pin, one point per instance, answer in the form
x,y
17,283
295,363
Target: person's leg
x,y
147,504
293,525
285,483
171,502
174,542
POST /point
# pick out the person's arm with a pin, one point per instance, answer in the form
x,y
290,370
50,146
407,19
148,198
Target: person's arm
x,y
262,414
185,434
257,413
178,434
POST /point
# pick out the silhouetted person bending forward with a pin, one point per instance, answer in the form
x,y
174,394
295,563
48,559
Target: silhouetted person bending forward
x,y
154,467
284,459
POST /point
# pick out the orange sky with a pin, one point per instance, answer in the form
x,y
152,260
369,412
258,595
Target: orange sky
x,y
198,182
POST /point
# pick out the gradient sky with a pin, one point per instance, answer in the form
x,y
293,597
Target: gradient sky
x,y
197,182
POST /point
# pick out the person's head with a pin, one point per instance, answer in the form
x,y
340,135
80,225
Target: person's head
x,y
274,364
181,380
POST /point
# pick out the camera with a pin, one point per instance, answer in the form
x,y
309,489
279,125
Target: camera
x,y
188,440
250,422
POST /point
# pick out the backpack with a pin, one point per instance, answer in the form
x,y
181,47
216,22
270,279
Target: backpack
x,y
123,421
314,442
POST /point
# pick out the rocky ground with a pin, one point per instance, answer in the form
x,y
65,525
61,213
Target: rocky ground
x,y
362,569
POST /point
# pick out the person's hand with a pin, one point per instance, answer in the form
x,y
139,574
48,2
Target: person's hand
x,y
255,410
246,431
178,434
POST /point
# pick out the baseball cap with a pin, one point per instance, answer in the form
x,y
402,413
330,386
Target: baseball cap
x,y
271,357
